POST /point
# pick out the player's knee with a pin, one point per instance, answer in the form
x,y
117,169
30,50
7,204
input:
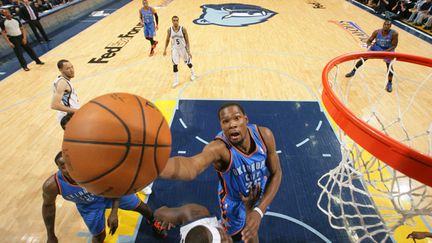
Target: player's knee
x,y
175,68
99,238
190,65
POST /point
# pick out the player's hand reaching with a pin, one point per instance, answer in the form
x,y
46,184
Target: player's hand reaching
x,y
113,223
157,27
162,215
250,231
164,53
419,235
252,198
52,239
253,218
190,55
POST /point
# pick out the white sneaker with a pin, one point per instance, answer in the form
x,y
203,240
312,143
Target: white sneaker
x,y
175,83
147,190
193,77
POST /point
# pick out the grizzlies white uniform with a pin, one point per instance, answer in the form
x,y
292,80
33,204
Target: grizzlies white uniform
x,y
69,99
178,46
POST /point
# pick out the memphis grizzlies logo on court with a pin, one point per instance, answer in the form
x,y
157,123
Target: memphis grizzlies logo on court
x,y
233,15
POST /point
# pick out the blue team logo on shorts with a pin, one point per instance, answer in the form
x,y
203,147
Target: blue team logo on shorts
x,y
233,15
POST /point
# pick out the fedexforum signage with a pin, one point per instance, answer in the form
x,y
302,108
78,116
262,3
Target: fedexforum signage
x,y
114,47
357,33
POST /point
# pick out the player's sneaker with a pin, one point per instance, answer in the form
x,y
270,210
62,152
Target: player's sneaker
x,y
350,74
155,44
193,77
175,83
389,87
147,190
158,229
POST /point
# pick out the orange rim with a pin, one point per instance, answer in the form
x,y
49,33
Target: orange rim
x,y
399,156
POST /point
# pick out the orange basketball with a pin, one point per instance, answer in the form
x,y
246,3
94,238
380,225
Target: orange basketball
x,y
116,144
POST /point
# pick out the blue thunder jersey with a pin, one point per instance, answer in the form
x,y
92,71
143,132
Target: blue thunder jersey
x,y
384,42
77,194
147,17
244,170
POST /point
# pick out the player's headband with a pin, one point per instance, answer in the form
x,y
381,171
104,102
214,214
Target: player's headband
x,y
210,223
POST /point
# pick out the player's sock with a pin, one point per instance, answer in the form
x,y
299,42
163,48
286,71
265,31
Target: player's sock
x,y
193,76
176,81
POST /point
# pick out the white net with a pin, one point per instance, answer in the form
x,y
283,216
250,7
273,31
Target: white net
x,y
363,195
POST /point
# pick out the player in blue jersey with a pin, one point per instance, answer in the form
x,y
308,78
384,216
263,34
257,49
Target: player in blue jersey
x,y
146,14
91,207
386,40
243,155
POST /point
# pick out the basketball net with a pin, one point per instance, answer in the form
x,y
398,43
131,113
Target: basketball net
x,y
371,197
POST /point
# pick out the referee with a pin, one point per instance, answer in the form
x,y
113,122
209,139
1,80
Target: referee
x,y
16,37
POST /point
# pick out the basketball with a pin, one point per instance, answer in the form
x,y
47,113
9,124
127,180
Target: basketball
x,y
116,144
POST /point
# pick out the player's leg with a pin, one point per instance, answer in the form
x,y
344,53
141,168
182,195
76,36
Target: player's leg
x,y
99,238
153,34
94,218
188,60
357,65
390,72
361,61
150,33
175,60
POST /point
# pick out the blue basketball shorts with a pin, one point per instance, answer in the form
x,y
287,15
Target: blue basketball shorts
x,y
94,214
233,215
149,30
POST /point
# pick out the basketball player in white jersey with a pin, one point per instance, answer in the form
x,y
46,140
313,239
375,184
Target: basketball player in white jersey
x,y
65,98
179,48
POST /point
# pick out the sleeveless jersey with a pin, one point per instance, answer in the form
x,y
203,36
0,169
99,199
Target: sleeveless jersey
x,y
244,170
177,38
384,42
69,99
77,194
147,16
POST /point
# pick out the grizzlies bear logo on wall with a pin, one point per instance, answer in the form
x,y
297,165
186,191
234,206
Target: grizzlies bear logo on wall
x,y
233,15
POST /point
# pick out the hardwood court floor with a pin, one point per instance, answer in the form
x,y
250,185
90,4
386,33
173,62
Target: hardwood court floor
x,y
280,59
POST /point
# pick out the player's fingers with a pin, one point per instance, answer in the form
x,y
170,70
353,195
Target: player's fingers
x,y
246,235
256,191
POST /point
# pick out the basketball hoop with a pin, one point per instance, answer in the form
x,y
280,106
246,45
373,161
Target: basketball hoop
x,y
381,156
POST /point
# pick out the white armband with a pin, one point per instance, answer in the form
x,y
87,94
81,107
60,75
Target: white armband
x,y
258,210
